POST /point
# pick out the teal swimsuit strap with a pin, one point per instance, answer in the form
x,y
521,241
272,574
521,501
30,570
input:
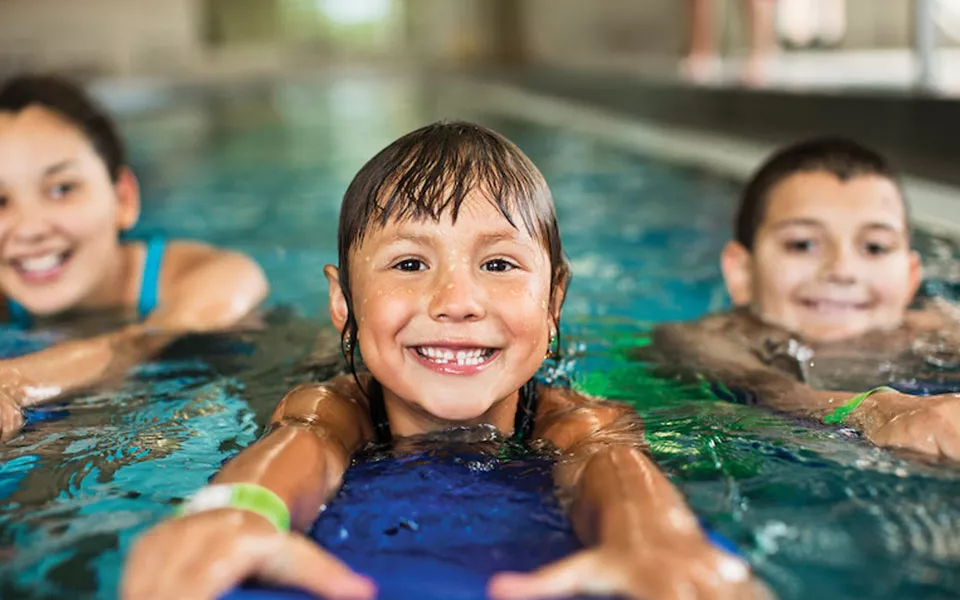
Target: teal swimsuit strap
x,y
17,314
150,282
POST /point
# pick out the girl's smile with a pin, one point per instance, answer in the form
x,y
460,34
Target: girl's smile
x,y
451,316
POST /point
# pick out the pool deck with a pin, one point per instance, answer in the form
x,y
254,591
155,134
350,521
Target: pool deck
x,y
723,127
730,129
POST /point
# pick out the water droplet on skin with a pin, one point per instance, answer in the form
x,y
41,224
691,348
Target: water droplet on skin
x,y
732,569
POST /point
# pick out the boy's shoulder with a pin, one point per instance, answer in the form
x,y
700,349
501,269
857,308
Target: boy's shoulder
x,y
735,340
935,315
737,325
937,320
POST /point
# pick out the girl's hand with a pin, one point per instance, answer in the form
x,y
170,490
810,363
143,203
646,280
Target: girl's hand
x,y
683,572
203,556
928,425
11,416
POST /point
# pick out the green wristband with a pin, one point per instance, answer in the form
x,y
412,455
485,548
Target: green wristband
x,y
840,414
245,496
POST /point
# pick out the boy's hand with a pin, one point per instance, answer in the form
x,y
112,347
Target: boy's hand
x,y
651,572
202,556
929,425
11,416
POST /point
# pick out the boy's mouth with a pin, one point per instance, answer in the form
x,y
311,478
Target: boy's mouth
x,y
833,306
455,360
41,268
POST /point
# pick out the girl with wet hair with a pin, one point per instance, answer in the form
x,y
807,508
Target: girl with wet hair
x,y
449,290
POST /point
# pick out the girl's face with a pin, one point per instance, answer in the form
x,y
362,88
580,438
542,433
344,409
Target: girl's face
x,y
452,318
60,212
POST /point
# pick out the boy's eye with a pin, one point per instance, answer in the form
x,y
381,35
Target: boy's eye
x,y
799,246
498,265
3,201
61,190
876,249
410,265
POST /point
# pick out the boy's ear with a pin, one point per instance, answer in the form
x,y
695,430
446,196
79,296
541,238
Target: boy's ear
x,y
127,190
916,273
338,302
736,264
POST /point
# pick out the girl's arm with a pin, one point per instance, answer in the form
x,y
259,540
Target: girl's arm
x,y
643,541
215,292
315,430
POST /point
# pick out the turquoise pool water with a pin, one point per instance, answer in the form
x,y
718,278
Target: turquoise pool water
x,y
262,169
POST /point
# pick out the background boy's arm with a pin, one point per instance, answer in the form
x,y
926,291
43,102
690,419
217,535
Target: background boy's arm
x,y
316,428
216,293
710,350
644,540
890,419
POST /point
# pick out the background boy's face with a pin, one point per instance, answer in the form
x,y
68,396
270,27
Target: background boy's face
x,y
831,259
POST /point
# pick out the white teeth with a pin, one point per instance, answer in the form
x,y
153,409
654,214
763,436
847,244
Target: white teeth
x,y
444,356
41,263
831,306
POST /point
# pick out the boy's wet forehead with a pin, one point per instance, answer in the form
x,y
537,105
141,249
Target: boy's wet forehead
x,y
822,197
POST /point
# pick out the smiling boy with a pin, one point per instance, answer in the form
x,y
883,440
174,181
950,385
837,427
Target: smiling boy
x,y
822,276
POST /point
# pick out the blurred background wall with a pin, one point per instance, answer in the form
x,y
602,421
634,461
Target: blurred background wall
x,y
172,36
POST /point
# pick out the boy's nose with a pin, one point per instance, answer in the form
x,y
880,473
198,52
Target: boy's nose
x,y
840,266
458,297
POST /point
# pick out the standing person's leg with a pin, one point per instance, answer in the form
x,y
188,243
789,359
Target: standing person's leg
x,y
701,60
762,39
700,28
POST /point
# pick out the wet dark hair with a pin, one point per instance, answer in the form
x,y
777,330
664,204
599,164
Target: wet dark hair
x,y
430,172
72,103
840,157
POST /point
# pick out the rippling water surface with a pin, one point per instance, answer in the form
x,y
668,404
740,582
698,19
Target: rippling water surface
x,y
263,170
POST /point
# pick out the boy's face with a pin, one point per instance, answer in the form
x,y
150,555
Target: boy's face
x,y
831,259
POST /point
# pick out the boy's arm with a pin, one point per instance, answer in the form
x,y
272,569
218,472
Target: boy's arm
x,y
715,354
216,293
643,539
930,426
315,430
